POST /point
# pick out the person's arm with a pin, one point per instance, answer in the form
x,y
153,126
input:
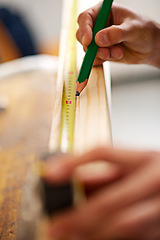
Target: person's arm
x,y
125,203
128,38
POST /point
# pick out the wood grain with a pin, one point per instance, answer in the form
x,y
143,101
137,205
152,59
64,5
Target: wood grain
x,y
92,115
92,123
24,134
55,130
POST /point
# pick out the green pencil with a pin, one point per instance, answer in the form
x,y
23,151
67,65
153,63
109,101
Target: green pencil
x,y
93,47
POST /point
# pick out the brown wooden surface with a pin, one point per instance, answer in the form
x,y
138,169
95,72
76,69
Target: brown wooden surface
x,y
24,133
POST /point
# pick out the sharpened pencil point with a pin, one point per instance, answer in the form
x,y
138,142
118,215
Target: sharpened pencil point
x,y
77,93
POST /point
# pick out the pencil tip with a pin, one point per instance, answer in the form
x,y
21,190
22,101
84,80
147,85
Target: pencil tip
x,y
77,93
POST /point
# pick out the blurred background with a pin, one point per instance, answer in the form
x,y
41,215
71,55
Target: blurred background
x,y
135,89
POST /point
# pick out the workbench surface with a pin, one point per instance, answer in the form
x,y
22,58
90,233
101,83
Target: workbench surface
x,y
24,135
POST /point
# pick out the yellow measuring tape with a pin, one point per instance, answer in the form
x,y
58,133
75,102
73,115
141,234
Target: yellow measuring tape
x,y
69,89
69,99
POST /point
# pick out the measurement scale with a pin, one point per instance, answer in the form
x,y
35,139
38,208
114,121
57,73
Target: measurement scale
x,y
69,88
69,100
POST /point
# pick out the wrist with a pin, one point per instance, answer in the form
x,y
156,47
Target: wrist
x,y
154,58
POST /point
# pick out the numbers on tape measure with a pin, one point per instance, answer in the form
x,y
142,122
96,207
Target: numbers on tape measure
x,y
69,89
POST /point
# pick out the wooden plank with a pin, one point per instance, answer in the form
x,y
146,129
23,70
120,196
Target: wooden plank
x,y
92,116
92,125
55,130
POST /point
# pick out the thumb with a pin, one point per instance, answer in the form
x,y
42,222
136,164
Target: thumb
x,y
113,35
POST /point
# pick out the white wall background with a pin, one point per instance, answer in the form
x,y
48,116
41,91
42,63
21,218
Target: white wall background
x,y
136,95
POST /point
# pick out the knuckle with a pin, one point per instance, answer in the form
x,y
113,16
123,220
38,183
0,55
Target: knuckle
x,y
108,36
90,12
83,30
118,34
122,33
85,17
81,16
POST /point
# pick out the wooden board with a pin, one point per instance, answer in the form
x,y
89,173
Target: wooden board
x,y
55,130
24,134
92,125
92,117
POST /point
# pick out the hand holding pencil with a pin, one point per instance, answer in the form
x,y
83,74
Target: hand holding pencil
x,y
129,38
93,47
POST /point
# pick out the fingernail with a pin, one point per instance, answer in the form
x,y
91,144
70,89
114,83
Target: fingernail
x,y
100,53
103,39
115,54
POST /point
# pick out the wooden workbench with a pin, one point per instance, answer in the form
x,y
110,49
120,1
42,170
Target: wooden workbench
x,y
24,134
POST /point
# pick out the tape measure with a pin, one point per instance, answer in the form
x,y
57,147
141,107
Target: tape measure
x,y
69,88
69,101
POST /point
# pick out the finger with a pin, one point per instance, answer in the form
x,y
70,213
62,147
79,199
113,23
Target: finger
x,y
116,53
103,53
114,35
140,184
98,62
86,22
111,53
84,35
138,221
96,173
97,176
106,203
62,168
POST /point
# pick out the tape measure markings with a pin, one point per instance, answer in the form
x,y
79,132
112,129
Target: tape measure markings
x,y
69,89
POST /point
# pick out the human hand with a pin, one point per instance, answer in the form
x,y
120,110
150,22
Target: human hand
x,y
126,204
128,38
